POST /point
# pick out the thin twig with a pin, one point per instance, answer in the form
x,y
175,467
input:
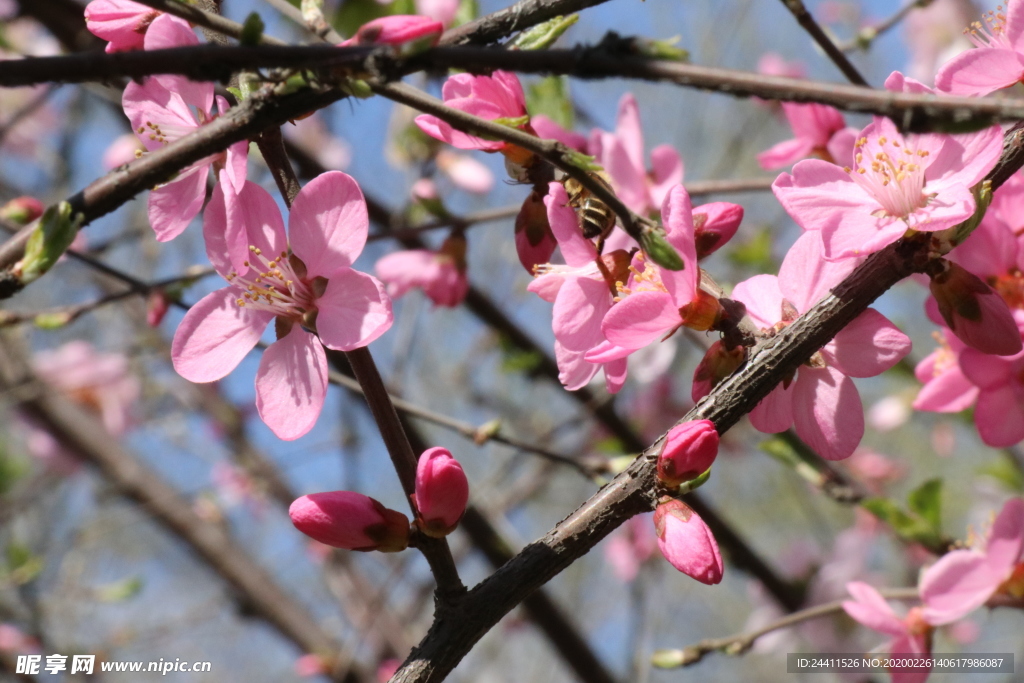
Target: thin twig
x,y
808,23
867,35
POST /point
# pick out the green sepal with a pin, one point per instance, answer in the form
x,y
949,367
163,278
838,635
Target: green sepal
x,y
658,249
695,483
543,36
51,238
252,29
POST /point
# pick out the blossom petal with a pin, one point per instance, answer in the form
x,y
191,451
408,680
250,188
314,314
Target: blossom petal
x,y
354,310
231,223
985,370
173,206
999,417
629,131
761,295
574,372
579,309
827,412
215,335
947,392
980,71
785,153
959,583
630,184
805,277
774,413
1005,545
640,319
291,384
868,346
666,172
962,159
576,249
328,224
870,609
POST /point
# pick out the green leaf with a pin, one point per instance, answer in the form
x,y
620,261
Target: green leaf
x,y
51,238
926,501
910,527
22,564
515,359
550,97
119,591
51,321
543,36
252,29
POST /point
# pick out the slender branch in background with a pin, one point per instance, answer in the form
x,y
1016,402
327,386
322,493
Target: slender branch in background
x,y
460,222
741,642
812,27
86,436
63,315
867,35
26,109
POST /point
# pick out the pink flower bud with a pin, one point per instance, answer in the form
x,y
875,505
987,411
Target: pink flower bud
x,y
534,240
974,311
715,224
351,521
156,307
686,542
398,29
441,492
690,449
22,210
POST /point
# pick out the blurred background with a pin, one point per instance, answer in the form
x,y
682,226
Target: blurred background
x,y
91,564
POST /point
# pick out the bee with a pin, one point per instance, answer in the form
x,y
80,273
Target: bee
x,y
594,217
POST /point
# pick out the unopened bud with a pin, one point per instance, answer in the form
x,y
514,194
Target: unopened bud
x,y
715,224
686,541
156,307
542,36
534,240
22,210
442,492
48,242
974,311
717,364
690,449
352,521
412,32
660,251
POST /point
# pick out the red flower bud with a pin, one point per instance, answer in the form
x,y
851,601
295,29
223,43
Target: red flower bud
x,y
974,311
398,29
690,449
441,492
534,240
686,542
22,210
715,224
351,521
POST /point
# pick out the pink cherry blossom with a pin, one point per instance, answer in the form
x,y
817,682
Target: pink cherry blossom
x,y
581,296
398,29
441,10
964,580
441,274
687,542
622,155
548,129
934,34
124,149
820,131
122,22
973,311
466,172
498,96
999,414
101,382
442,492
945,388
630,546
351,521
896,183
875,470
998,60
773,64
714,224
310,665
165,108
301,282
822,402
911,634
655,301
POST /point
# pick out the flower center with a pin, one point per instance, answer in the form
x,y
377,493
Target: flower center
x,y
1011,287
646,280
891,172
944,356
273,285
994,35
